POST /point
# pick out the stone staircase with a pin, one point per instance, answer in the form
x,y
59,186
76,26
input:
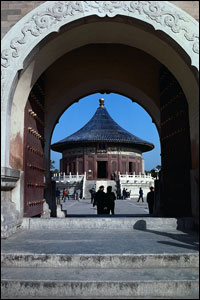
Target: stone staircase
x,y
107,276
71,187
100,258
89,184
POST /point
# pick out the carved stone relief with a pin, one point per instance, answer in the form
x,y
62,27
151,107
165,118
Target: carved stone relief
x,y
150,11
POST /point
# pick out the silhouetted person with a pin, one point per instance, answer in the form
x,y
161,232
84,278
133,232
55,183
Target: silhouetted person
x,y
118,193
78,194
124,194
127,194
150,199
110,200
100,201
64,194
140,195
67,194
57,195
92,192
114,175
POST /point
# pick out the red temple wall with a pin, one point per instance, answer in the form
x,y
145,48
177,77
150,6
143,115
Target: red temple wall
x,y
86,162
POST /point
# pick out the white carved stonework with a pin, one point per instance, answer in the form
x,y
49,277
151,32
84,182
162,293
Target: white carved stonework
x,y
46,211
60,213
50,16
10,217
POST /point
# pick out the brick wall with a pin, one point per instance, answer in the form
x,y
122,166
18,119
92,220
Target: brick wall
x,y
191,7
13,11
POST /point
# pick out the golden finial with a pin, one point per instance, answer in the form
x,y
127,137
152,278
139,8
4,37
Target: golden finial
x,y
101,101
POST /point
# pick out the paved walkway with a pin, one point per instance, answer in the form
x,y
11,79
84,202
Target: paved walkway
x,y
122,207
100,241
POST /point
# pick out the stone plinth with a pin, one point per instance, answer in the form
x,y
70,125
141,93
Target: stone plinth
x,y
10,216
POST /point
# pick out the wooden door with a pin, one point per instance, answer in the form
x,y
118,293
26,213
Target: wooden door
x,y
34,151
175,147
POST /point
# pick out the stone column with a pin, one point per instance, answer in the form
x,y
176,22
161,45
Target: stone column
x,y
127,164
143,166
76,166
136,167
95,168
109,167
119,163
194,178
62,165
11,217
84,163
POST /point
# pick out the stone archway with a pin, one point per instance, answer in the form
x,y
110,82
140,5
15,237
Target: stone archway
x,y
25,46
50,17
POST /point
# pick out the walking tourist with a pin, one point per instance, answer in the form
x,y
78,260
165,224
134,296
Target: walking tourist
x,y
67,194
127,194
118,193
114,174
124,194
140,195
100,201
110,199
57,196
64,194
78,194
150,199
92,192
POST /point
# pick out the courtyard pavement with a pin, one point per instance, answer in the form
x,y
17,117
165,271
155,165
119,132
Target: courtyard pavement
x,y
101,241
122,207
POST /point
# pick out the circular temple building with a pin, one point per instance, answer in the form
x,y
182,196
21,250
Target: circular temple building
x,y
102,149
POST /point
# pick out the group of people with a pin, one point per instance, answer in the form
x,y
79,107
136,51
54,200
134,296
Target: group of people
x,y
65,193
105,202
125,194
150,198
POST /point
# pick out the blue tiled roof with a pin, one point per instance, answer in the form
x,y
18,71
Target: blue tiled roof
x,y
103,128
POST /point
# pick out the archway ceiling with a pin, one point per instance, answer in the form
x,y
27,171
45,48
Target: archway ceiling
x,y
103,68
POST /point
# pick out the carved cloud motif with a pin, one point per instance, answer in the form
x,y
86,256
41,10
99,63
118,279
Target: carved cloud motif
x,y
151,11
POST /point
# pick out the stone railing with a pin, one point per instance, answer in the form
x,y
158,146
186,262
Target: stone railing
x,y
84,181
62,177
141,178
133,182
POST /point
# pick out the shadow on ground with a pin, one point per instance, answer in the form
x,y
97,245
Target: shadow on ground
x,y
188,238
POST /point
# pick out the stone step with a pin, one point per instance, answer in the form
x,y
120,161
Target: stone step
x,y
109,222
86,283
100,264
101,261
89,184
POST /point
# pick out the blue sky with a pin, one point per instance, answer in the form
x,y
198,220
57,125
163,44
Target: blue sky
x,y
127,114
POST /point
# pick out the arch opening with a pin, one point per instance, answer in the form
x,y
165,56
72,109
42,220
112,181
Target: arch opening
x,y
100,163
109,84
